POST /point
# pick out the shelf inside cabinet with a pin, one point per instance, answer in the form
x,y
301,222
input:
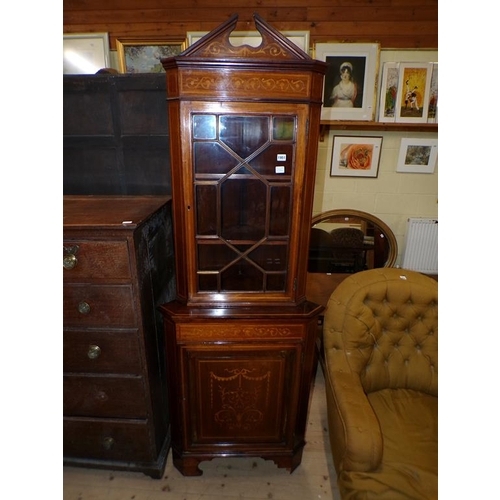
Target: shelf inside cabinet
x,y
325,125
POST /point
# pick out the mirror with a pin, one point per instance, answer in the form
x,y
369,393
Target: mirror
x,y
348,241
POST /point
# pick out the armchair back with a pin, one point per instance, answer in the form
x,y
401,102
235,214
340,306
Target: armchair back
x,y
382,326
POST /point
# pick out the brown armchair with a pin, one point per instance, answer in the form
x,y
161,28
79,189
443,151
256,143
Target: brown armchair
x,y
381,348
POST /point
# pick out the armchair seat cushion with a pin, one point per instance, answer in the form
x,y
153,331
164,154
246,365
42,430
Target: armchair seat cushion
x,y
409,425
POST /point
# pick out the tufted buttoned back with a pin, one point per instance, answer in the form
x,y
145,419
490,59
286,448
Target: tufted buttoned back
x,y
382,325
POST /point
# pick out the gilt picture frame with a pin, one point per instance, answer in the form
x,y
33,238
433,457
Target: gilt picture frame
x,y
417,155
85,53
350,84
144,56
355,156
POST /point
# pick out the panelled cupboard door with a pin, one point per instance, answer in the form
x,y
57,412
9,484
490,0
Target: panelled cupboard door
x,y
246,398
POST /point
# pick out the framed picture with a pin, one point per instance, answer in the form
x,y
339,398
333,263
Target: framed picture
x,y
388,92
350,85
433,96
412,105
355,156
417,156
135,56
254,38
85,53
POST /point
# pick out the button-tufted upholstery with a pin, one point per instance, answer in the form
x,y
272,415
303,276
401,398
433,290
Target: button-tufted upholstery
x,y
381,354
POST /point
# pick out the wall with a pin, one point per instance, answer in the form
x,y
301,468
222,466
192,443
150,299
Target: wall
x,y
392,23
395,24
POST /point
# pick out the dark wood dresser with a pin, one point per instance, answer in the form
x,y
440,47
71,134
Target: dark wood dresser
x,y
118,268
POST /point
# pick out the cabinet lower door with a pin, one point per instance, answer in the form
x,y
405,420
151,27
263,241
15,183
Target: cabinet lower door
x,y
241,396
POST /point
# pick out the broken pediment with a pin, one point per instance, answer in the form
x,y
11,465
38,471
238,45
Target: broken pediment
x,y
217,44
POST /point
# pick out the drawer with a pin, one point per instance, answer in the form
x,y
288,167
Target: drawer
x,y
104,396
101,351
98,305
107,439
96,259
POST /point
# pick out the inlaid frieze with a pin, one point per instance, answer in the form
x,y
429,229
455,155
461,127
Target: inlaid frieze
x,y
245,83
215,331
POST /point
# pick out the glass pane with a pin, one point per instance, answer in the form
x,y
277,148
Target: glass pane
x,y
280,211
243,209
243,168
211,158
214,257
242,277
208,282
283,128
204,127
270,257
206,210
276,159
275,282
244,134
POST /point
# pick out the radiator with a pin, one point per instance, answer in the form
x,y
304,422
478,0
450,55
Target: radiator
x,y
421,249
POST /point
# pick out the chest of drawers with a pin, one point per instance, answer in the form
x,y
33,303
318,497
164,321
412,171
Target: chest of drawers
x,y
118,268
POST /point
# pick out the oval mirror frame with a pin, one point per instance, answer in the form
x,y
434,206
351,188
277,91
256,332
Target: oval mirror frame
x,y
384,228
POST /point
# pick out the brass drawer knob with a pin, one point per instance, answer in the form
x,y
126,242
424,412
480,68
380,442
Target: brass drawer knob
x,y
108,443
94,351
70,261
83,307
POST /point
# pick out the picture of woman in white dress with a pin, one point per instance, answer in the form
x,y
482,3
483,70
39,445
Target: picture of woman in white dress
x,y
345,92
344,82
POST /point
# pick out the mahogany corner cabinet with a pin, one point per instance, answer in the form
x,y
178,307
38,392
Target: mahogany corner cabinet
x,y
240,335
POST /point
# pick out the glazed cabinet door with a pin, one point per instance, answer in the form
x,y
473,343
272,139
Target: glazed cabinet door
x,y
243,197
240,395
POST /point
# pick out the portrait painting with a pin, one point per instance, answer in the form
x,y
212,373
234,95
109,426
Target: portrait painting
x,y
349,91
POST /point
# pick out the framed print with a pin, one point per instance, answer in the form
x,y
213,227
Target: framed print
x,y
355,156
417,156
412,104
350,85
388,92
433,95
254,38
136,56
85,53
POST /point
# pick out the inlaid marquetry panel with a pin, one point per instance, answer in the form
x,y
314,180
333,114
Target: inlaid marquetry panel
x,y
244,398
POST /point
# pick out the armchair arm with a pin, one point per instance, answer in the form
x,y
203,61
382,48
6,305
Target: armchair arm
x,y
355,435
